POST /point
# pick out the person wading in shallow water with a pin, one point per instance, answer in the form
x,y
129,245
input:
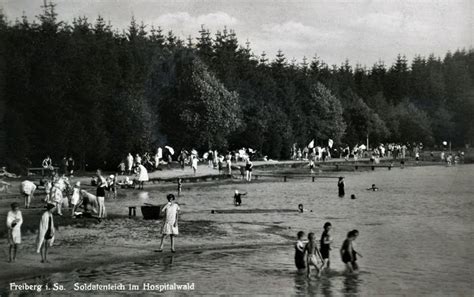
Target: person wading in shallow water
x,y
300,262
340,185
238,198
325,244
170,224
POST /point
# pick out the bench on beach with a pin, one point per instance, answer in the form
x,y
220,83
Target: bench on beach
x,y
38,169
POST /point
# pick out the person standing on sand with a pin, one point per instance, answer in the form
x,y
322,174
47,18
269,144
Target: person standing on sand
x,y
194,163
75,198
248,169
340,186
170,224
70,166
129,163
48,165
100,193
45,233
14,221
142,175
57,196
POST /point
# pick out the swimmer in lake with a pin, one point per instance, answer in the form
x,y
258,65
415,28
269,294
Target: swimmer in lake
x,y
299,252
312,251
373,188
302,209
238,198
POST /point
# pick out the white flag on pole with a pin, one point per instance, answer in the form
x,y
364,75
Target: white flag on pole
x,y
330,143
311,144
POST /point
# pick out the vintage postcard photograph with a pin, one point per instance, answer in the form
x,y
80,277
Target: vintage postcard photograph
x,y
236,148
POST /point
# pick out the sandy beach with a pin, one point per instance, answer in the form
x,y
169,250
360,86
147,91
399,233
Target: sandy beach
x,y
120,238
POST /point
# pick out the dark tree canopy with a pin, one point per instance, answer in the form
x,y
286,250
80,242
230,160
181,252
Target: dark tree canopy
x,y
87,90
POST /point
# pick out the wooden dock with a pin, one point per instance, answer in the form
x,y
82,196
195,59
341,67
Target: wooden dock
x,y
191,179
285,177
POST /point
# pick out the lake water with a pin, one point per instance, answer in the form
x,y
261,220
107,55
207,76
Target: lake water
x,y
416,236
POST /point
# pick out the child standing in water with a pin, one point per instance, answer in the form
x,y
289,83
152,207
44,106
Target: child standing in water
x,y
312,250
299,252
325,244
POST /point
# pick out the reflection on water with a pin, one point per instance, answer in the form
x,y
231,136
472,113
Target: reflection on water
x,y
415,234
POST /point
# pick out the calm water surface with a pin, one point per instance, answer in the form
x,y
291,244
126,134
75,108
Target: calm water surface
x,y
416,236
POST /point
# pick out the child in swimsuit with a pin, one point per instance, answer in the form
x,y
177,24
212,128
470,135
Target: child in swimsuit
x,y
312,250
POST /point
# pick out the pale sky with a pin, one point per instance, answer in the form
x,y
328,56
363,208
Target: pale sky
x,y
363,31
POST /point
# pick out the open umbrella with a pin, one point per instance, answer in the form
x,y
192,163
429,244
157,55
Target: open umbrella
x,y
170,149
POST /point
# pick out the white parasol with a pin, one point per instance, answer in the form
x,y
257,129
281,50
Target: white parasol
x,y
170,149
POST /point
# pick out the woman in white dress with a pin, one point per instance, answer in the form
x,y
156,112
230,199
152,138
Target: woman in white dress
x,y
14,221
142,175
170,224
27,189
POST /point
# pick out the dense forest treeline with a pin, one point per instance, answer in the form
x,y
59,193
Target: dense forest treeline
x,y
87,90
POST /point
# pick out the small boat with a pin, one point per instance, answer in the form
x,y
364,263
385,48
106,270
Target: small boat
x,y
151,212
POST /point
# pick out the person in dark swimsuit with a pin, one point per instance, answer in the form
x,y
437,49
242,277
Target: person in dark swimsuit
x,y
340,185
348,254
346,251
238,198
325,244
299,252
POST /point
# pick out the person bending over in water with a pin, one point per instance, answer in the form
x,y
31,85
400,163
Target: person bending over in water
x,y
348,254
299,252
373,188
312,250
238,198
